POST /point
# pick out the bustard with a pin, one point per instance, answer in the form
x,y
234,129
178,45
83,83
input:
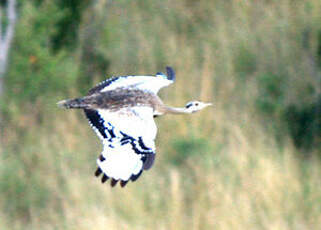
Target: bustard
x,y
121,111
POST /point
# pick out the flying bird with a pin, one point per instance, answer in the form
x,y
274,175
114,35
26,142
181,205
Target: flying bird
x,y
121,111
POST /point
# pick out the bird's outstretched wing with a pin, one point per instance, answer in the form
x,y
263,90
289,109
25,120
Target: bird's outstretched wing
x,y
128,142
148,83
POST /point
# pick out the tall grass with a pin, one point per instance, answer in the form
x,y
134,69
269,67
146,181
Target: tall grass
x,y
222,168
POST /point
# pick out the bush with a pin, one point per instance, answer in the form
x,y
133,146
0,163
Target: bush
x,y
187,148
304,125
36,71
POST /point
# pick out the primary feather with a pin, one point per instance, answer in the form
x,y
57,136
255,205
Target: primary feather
x,y
146,83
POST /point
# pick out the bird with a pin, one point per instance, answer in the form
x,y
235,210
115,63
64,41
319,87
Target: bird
x,y
121,111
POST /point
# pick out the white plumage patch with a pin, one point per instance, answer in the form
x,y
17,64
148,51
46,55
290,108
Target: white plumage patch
x,y
120,162
149,83
128,138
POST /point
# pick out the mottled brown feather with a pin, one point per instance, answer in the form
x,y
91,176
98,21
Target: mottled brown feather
x,y
122,98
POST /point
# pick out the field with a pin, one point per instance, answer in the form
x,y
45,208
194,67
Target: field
x,y
251,161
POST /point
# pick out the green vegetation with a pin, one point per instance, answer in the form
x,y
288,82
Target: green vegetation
x,y
252,161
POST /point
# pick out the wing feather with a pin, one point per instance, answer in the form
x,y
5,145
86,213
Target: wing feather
x,y
149,83
128,142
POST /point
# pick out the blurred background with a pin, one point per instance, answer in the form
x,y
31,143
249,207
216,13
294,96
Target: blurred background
x,y
252,161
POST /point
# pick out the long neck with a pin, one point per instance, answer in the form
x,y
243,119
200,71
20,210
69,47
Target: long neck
x,y
173,110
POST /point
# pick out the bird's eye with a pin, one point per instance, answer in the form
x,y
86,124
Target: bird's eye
x,y
196,104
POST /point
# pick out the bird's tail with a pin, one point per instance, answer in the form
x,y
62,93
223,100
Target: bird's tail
x,y
77,103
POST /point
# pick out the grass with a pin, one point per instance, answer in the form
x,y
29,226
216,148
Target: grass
x,y
222,168
242,185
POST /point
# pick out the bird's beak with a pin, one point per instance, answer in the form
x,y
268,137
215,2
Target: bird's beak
x,y
208,104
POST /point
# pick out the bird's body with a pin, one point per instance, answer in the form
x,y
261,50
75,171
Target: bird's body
x,y
121,112
118,99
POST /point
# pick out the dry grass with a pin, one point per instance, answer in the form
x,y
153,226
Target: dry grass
x,y
241,179
246,185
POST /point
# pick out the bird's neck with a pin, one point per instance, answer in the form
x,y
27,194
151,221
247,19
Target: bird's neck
x,y
172,110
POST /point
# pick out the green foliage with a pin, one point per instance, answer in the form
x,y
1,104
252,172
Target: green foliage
x,y
319,50
21,188
68,25
3,17
301,122
270,99
244,62
304,125
35,70
94,64
186,148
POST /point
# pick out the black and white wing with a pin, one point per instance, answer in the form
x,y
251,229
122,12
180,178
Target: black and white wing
x,y
128,142
148,83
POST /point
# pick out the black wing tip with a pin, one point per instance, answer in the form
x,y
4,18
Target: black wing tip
x,y
123,183
149,161
170,73
113,182
104,178
98,172
134,177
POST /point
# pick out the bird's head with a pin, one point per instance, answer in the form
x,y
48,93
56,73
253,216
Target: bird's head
x,y
194,106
